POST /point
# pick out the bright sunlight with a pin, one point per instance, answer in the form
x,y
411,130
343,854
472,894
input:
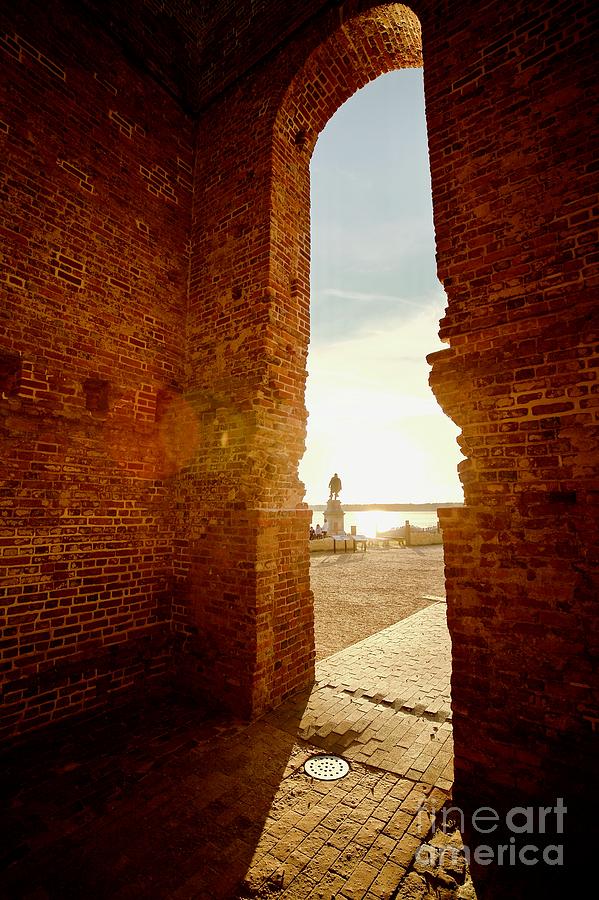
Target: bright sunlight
x,y
376,305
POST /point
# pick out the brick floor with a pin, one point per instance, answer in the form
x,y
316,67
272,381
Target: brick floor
x,y
385,701
182,806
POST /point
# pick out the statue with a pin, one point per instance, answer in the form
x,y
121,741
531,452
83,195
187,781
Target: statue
x,y
334,487
333,514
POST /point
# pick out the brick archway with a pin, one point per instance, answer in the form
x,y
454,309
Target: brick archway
x,y
201,542
248,328
514,378
525,423
366,44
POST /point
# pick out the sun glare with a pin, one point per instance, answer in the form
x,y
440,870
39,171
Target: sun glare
x,y
376,306
374,419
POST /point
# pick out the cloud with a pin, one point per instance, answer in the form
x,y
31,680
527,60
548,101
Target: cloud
x,y
368,276
367,296
343,314
389,357
362,242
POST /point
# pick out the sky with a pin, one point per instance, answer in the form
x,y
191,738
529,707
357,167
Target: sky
x,y
375,307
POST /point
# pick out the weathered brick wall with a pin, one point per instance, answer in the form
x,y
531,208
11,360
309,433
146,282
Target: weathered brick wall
x,y
184,464
240,490
197,48
510,126
510,119
95,209
245,612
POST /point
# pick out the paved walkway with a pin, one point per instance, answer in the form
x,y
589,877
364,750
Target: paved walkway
x,y
385,701
358,594
175,807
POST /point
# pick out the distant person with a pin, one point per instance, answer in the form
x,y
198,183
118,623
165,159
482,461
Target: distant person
x,y
312,533
318,532
334,487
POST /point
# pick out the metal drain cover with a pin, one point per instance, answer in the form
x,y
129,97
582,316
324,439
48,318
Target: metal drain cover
x,y
326,767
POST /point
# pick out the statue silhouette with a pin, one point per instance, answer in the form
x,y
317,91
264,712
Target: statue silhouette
x,y
334,486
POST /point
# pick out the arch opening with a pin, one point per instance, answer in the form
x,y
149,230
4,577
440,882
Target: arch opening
x,y
326,73
367,44
375,308
504,312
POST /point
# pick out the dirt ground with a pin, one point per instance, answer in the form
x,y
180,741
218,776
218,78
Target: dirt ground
x,y
358,594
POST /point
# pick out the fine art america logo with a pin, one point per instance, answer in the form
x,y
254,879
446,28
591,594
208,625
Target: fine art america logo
x,y
530,829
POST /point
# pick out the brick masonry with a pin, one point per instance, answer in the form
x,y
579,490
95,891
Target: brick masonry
x,y
96,196
511,153
171,437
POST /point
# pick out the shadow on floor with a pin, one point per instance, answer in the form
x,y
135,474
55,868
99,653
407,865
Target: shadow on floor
x,y
168,802
159,802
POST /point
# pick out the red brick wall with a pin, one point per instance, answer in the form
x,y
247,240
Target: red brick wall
x,y
510,118
183,465
198,48
242,482
245,612
94,217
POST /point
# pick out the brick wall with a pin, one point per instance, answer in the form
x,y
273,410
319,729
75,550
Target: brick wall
x,y
243,480
245,610
178,454
197,49
510,113
509,117
94,217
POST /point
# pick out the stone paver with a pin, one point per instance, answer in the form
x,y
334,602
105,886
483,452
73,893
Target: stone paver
x,y
192,809
407,665
385,701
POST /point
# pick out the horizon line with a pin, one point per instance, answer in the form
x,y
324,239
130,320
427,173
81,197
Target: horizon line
x,y
397,505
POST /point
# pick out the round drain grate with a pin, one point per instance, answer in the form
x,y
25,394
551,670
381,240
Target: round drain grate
x,y
326,767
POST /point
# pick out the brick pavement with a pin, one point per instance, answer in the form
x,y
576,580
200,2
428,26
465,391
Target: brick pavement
x,y
192,809
385,701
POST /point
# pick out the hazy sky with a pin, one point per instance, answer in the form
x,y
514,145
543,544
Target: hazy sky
x,y
376,304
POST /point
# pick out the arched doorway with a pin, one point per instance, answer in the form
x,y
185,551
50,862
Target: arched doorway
x,y
499,257
375,307
359,48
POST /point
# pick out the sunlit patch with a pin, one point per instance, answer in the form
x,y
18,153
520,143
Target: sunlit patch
x,y
404,448
201,430
198,430
179,435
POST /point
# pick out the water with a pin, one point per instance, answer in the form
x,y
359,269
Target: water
x,y
369,521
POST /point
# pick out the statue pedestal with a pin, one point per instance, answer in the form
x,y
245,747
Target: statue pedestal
x,y
333,518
